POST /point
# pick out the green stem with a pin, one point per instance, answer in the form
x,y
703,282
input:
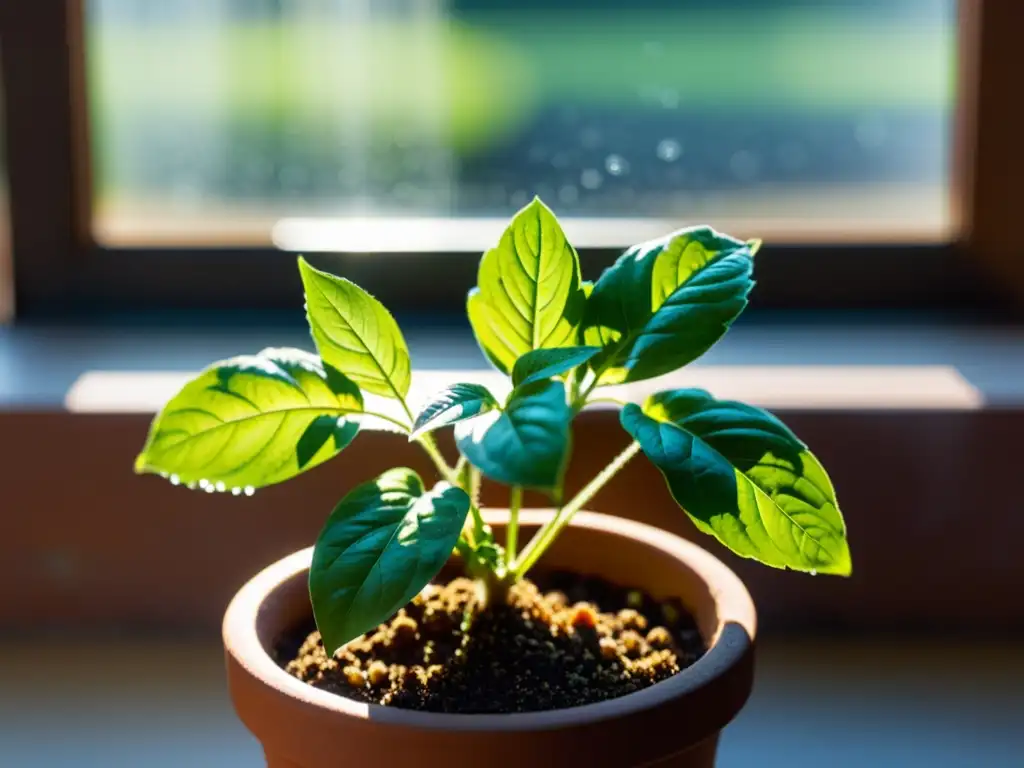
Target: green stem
x,y
479,526
581,399
427,441
474,486
542,540
515,501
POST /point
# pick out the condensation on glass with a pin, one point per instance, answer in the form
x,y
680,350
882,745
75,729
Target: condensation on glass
x,y
230,120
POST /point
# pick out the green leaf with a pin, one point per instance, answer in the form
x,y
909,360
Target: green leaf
x,y
529,295
745,478
355,333
252,421
380,546
664,303
543,364
526,444
455,403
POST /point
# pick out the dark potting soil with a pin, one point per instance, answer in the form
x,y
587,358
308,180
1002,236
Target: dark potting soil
x,y
579,641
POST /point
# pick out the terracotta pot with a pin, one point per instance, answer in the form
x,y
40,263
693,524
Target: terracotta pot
x,y
673,723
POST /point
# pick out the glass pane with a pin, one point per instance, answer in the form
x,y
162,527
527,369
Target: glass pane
x,y
247,120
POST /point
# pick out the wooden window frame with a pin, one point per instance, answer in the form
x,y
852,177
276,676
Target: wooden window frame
x,y
58,266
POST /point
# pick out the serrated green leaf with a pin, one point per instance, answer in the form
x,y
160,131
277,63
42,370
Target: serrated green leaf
x,y
526,444
253,420
745,478
664,303
455,403
529,295
355,333
380,546
543,364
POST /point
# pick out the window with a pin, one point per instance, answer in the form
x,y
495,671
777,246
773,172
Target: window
x,y
314,124
174,138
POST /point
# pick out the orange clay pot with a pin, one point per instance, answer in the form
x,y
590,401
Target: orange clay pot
x,y
673,723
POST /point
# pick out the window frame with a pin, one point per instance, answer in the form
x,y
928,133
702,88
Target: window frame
x,y
59,268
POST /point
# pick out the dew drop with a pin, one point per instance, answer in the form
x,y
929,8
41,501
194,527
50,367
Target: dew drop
x,y
236,491
203,483
221,487
669,150
163,475
616,165
191,485
814,571
175,480
590,178
209,489
249,490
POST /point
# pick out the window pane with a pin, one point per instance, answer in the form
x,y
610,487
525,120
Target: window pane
x,y
225,120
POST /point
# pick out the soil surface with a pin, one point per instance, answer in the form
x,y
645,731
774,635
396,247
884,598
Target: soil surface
x,y
574,641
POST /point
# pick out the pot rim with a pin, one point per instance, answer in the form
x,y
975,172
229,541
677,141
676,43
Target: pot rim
x,y
732,640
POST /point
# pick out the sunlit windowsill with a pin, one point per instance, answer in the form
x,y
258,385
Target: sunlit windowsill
x,y
804,361
809,387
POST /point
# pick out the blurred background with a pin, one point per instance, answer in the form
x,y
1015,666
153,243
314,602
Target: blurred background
x,y
237,113
165,160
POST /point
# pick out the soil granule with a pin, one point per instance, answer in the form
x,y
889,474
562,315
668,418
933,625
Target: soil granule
x,y
580,641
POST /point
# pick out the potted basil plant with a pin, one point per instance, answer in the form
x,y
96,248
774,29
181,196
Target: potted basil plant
x,y
420,626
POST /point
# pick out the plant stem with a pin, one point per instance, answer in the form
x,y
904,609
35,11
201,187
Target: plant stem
x,y
542,540
479,526
474,486
515,501
581,400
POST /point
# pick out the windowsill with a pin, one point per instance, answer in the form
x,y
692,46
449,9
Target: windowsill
x,y
801,361
917,420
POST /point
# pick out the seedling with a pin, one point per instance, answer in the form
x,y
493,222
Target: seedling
x,y
738,472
